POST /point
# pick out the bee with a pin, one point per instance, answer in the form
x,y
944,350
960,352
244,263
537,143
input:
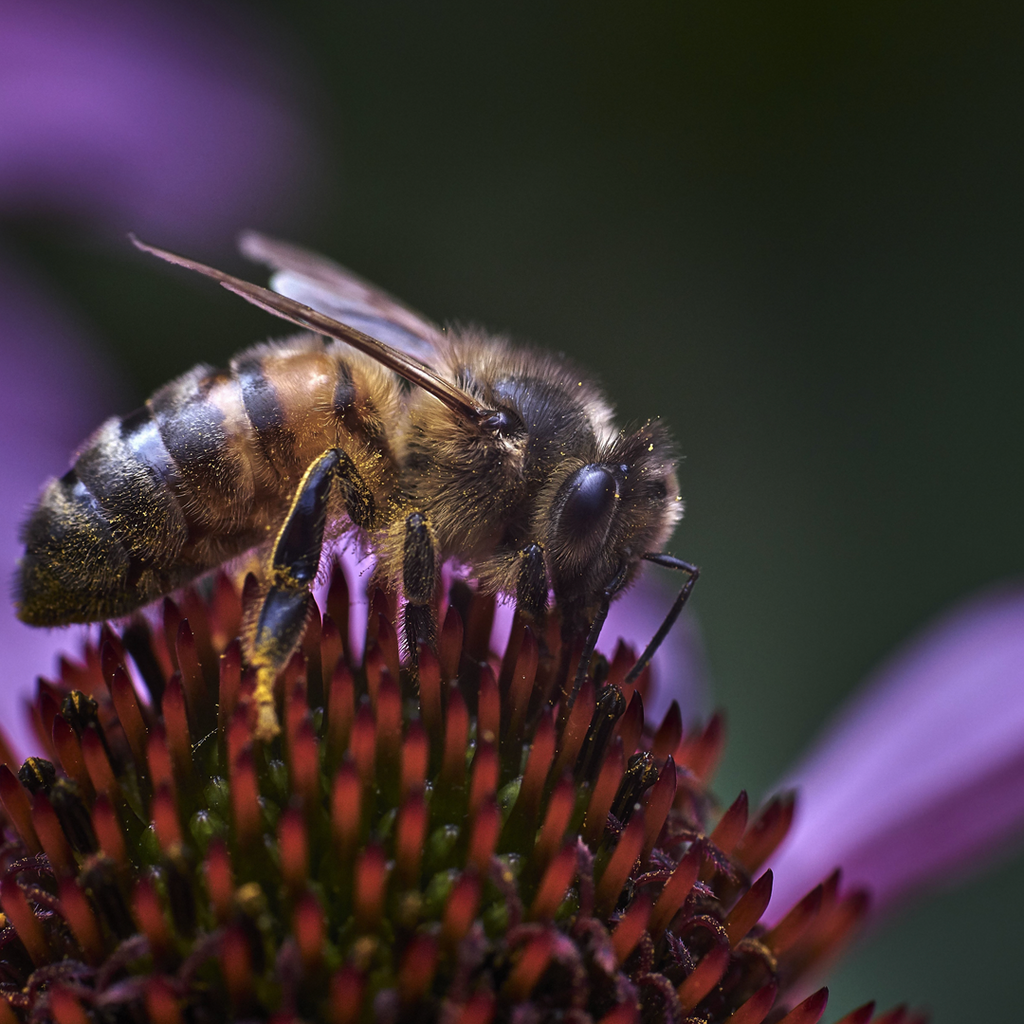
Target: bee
x,y
425,444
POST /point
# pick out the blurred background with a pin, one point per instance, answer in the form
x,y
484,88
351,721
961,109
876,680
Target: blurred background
x,y
793,230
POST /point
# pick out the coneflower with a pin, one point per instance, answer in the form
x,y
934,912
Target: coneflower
x,y
455,844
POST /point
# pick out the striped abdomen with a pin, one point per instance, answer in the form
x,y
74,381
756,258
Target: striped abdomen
x,y
201,473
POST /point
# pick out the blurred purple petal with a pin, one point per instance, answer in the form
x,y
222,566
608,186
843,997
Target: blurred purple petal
x,y
53,396
924,771
145,116
357,567
156,117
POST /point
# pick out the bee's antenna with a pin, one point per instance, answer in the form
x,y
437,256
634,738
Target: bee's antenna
x,y
303,316
669,562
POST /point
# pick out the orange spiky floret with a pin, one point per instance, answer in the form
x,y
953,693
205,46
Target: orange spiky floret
x,y
443,844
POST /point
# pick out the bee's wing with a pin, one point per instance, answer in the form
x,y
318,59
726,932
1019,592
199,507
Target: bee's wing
x,y
329,288
405,365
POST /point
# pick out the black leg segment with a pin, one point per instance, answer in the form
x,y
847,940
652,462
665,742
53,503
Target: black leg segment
x,y
593,635
418,563
358,497
293,568
420,628
281,624
532,585
419,572
296,557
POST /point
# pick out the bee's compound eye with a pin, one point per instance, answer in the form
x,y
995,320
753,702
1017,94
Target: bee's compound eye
x,y
592,491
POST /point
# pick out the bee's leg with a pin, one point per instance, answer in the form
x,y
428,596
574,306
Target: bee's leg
x,y
593,635
419,568
293,567
692,572
532,584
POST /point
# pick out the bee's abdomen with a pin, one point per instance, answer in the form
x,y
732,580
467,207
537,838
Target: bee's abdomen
x,y
272,437
197,476
302,396
73,563
174,475
153,499
86,560
134,483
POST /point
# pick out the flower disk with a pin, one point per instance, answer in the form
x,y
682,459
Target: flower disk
x,y
460,843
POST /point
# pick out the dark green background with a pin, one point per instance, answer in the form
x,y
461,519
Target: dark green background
x,y
792,229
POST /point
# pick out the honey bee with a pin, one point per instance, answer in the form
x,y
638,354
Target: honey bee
x,y
425,444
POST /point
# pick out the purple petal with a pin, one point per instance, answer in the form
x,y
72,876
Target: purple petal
x,y
53,393
923,773
143,116
149,116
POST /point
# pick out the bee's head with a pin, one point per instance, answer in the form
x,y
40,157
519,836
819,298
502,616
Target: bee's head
x,y
605,514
